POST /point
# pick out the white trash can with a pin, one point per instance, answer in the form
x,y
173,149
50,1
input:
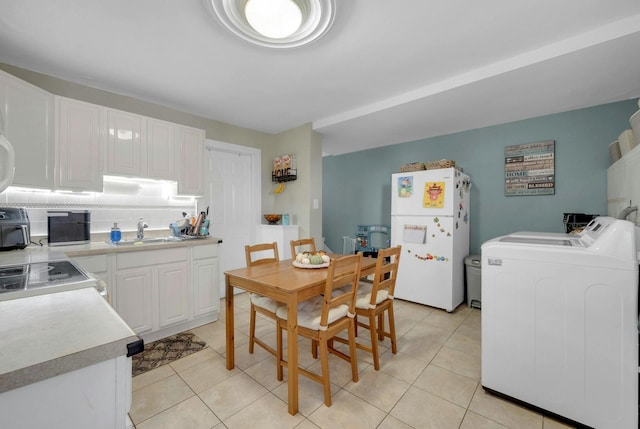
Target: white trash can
x,y
473,270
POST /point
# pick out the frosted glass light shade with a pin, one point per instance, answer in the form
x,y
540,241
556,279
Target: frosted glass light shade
x,y
316,18
276,19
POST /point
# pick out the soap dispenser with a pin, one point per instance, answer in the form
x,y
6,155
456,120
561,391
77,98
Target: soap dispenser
x,y
116,234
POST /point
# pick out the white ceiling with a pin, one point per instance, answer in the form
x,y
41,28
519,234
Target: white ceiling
x,y
387,72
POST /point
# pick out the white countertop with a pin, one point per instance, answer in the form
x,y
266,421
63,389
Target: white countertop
x,y
51,334
35,253
47,335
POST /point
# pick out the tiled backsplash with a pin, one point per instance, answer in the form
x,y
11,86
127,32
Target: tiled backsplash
x,y
124,203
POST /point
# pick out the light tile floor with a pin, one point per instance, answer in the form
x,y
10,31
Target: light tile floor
x,y
432,382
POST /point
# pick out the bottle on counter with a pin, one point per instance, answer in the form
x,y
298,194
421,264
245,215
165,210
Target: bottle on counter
x,y
116,234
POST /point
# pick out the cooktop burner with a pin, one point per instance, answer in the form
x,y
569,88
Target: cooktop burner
x,y
38,275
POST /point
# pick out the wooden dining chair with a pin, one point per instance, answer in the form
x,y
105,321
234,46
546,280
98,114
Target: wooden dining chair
x,y
324,317
309,245
259,254
375,299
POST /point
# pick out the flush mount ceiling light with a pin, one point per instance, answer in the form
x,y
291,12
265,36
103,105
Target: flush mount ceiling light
x,y
276,23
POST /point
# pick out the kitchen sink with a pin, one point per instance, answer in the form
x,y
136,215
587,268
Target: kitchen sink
x,y
142,241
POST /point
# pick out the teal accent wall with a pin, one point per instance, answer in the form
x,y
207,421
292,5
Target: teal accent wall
x,y
356,186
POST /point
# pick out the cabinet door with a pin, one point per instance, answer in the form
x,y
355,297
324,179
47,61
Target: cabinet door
x,y
28,114
162,153
205,286
97,265
173,293
618,192
135,298
632,178
79,146
125,149
191,180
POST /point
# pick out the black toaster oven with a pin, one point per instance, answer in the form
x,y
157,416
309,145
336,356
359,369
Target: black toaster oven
x,y
68,227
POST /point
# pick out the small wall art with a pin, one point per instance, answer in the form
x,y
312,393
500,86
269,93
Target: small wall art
x,y
529,169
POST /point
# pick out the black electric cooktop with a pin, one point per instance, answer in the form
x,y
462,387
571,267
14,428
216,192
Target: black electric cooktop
x,y
35,275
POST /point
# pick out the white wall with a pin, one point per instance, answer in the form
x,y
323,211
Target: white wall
x,y
298,197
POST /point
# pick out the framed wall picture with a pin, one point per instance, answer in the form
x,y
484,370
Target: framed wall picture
x,y
529,169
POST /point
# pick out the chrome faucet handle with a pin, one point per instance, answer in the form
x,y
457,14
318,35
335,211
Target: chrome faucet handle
x,y
141,226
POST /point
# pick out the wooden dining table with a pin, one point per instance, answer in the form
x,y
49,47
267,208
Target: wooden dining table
x,y
287,284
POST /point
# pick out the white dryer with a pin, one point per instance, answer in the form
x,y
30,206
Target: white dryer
x,y
559,322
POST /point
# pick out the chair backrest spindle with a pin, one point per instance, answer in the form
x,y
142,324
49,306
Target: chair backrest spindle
x,y
343,273
386,272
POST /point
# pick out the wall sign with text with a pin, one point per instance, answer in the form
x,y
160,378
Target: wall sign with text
x,y
529,169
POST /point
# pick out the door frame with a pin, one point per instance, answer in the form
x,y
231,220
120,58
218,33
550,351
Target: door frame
x,y
255,155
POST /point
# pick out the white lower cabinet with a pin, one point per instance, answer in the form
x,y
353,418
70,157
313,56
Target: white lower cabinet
x,y
99,266
135,300
173,293
152,288
160,292
96,396
204,280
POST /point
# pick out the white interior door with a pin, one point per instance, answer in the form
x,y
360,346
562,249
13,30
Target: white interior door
x,y
233,196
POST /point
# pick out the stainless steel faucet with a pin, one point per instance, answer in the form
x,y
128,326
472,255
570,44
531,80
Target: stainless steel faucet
x,y
141,226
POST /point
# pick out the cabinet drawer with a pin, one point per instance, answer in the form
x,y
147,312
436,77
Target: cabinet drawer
x,y
207,251
93,264
150,257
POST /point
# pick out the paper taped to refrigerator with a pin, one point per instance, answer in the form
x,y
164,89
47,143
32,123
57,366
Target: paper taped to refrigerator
x,y
415,234
434,193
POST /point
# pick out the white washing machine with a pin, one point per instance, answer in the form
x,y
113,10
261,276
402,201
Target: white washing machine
x,y
560,322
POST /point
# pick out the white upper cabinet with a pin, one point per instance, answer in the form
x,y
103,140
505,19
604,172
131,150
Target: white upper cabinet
x,y
78,146
623,184
162,149
138,146
61,143
28,114
191,168
126,153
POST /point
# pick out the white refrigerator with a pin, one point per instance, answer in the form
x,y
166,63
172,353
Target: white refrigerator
x,y
430,220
